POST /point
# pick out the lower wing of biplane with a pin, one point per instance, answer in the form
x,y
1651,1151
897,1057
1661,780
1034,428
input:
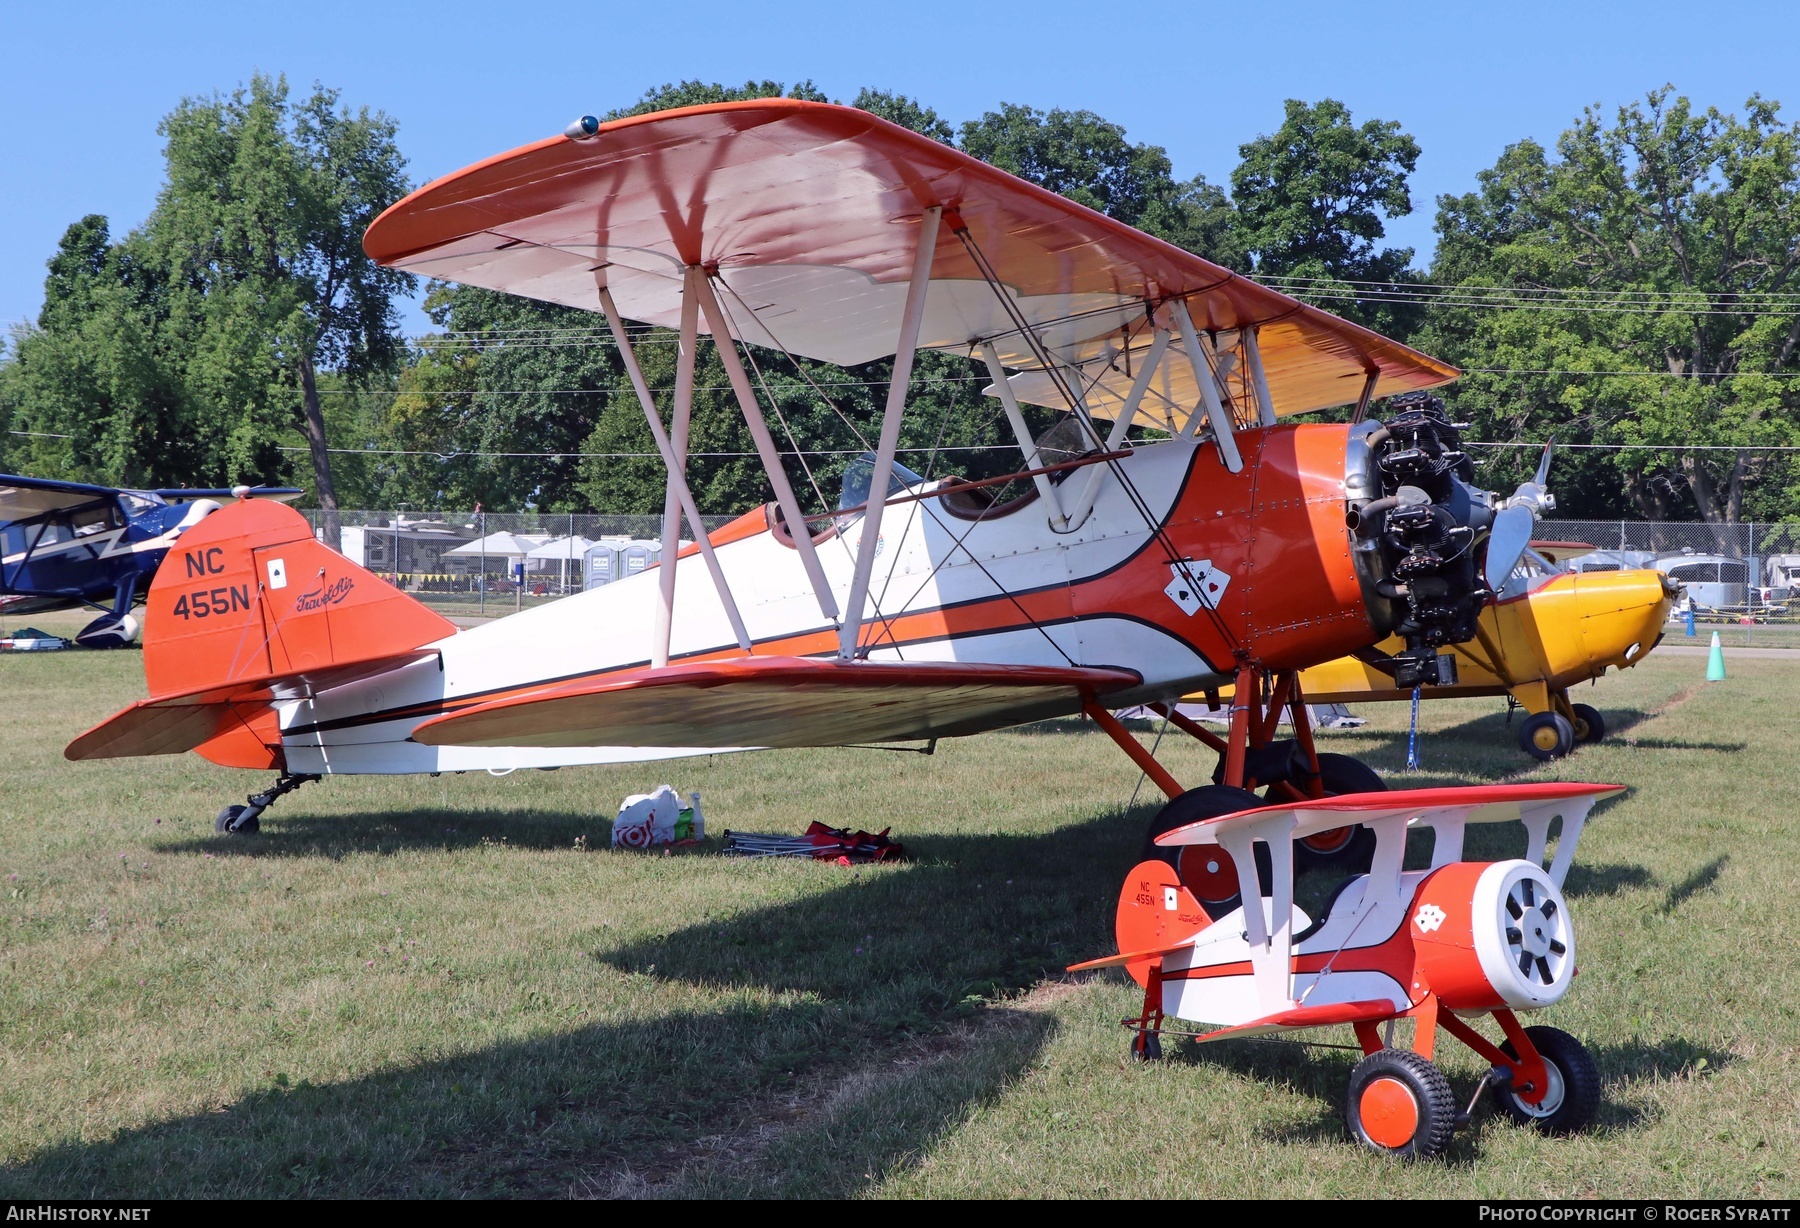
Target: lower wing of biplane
x,y
1439,945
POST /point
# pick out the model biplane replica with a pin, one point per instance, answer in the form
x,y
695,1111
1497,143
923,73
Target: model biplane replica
x,y
65,545
1220,544
1440,945
1548,630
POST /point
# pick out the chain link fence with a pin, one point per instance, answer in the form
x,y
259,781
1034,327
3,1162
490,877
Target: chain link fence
x,y
497,562
492,562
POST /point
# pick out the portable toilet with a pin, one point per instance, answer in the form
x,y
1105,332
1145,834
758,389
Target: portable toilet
x,y
601,564
638,556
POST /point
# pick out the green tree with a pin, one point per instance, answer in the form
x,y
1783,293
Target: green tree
x,y
260,227
1090,160
92,386
1656,246
1312,199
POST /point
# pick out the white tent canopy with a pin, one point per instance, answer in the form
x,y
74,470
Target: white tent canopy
x,y
498,544
561,548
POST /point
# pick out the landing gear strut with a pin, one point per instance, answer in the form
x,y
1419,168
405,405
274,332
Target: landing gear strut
x,y
245,820
1251,757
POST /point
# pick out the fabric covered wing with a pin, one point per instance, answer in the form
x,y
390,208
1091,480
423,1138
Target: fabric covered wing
x,y
776,702
809,213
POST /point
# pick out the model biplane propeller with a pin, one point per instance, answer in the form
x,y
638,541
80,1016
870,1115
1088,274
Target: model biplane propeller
x,y
64,545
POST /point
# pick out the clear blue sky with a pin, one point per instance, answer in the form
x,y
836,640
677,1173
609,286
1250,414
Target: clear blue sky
x,y
82,87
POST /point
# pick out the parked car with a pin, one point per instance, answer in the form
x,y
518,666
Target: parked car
x,y
1781,576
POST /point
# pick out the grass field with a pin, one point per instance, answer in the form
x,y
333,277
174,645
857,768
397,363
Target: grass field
x,y
450,987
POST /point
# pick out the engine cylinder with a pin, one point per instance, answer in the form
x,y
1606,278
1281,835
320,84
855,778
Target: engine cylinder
x,y
1493,934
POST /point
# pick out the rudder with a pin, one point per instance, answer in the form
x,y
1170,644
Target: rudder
x,y
249,593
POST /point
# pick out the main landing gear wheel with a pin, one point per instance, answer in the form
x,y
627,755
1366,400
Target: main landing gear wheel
x,y
1569,1105
1146,1046
231,821
1349,849
1547,736
1588,725
1400,1105
1205,869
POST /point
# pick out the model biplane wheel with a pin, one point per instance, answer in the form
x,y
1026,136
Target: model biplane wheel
x,y
231,822
1344,848
1400,1104
1146,1046
1206,872
1588,724
1573,1097
1547,736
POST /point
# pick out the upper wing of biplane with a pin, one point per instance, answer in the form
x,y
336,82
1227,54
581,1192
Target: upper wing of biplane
x,y
808,212
22,498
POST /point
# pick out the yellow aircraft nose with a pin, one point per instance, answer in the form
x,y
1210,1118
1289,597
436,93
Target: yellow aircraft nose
x,y
1622,615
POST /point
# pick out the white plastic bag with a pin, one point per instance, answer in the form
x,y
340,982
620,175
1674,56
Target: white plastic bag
x,y
650,819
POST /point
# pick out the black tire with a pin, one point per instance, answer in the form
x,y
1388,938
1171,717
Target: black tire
x,y
1546,736
1420,1084
1146,1047
1588,724
1349,853
1574,1085
231,823
1217,891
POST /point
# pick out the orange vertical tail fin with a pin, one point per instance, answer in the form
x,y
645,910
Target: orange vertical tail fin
x,y
246,605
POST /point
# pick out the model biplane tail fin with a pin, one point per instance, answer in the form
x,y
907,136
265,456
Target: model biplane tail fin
x,y
247,611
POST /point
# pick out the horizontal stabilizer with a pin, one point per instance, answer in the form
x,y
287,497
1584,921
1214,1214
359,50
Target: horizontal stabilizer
x,y
1307,1017
171,724
1127,957
777,702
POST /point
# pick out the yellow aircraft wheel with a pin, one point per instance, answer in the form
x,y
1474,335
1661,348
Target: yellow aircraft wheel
x,y
1546,736
1589,727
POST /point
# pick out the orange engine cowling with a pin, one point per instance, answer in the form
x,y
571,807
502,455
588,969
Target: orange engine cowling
x,y
1493,934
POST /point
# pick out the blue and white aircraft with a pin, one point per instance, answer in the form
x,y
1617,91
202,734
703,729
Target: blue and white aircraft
x,y
64,545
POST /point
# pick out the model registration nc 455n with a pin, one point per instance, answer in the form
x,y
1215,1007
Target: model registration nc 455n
x,y
1218,543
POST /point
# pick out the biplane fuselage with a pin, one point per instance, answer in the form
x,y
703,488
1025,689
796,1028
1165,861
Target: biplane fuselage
x,y
1003,588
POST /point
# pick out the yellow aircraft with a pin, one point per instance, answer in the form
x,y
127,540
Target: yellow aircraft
x,y
1549,631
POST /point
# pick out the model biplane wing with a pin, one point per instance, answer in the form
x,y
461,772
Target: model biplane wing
x,y
810,214
777,702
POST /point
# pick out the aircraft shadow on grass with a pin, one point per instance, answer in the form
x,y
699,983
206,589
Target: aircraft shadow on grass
x,y
893,996
890,963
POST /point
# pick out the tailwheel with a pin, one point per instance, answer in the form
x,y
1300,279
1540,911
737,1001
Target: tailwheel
x,y
1588,725
1146,1046
1573,1097
1400,1105
232,821
1206,870
1346,849
1547,736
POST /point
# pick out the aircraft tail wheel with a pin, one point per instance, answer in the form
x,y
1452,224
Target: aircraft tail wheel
x,y
1400,1105
1588,725
1573,1097
1146,1046
1349,849
1546,736
231,821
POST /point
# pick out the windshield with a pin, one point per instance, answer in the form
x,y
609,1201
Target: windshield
x,y
861,471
